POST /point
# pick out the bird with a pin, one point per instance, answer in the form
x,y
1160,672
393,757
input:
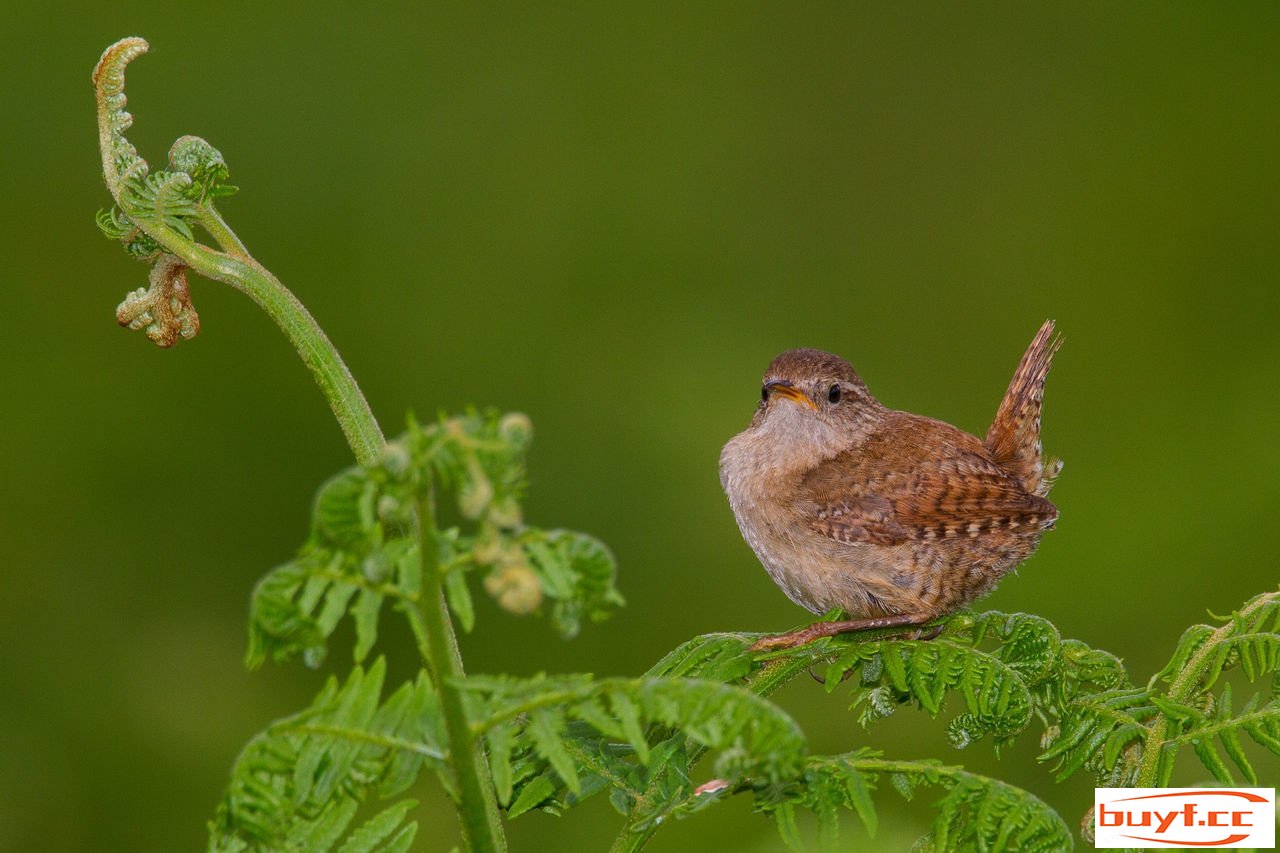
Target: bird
x,y
894,518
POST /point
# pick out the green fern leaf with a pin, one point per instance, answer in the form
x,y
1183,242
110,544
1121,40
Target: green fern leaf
x,y
564,721
1132,736
545,728
361,552
365,616
370,836
538,791
459,596
974,812
997,700
298,785
325,831
577,572
715,657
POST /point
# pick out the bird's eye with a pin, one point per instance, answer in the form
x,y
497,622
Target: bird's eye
x,y
833,394
764,393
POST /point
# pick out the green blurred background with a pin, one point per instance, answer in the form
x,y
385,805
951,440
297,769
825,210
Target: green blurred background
x,y
612,219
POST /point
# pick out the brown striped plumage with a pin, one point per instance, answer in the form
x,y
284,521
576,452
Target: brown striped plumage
x,y
894,517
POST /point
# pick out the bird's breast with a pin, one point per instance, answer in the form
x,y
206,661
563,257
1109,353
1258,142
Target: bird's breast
x,y
762,491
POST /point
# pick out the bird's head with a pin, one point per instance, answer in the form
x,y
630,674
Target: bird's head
x,y
814,395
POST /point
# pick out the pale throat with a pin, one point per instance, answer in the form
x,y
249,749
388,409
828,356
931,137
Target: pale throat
x,y
782,443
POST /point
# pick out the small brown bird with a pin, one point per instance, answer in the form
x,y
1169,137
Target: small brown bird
x,y
893,517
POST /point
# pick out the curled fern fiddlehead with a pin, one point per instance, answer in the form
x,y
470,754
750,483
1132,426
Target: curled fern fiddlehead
x,y
120,161
164,309
204,164
155,215
153,210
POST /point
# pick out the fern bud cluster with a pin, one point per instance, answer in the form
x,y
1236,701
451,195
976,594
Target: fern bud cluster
x,y
362,551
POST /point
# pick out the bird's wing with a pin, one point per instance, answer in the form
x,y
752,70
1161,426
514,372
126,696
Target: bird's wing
x,y
924,484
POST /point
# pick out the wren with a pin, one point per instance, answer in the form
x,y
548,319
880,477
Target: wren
x,y
894,518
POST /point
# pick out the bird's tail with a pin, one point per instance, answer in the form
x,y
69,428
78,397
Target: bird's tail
x,y
1014,437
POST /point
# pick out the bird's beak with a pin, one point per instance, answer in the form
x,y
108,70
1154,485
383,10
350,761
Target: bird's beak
x,y
783,388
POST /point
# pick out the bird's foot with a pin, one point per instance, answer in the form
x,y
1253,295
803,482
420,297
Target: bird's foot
x,y
818,630
923,634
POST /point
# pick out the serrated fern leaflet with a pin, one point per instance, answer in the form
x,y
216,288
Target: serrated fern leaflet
x,y
299,784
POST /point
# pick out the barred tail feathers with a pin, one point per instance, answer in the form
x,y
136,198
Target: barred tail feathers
x,y
1014,437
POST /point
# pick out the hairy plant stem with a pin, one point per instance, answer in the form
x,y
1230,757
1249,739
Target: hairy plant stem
x,y
477,804
211,220
233,265
238,269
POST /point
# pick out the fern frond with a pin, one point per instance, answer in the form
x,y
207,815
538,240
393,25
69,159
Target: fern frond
x,y
1092,732
576,572
116,226
299,784
162,198
553,741
1004,668
974,812
362,554
1131,736
888,673
298,605
1224,730
146,201
204,164
163,310
980,813
120,160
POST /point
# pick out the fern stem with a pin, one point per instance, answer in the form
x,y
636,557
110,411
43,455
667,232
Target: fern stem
x,y
477,804
339,387
388,742
233,266
629,840
211,220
